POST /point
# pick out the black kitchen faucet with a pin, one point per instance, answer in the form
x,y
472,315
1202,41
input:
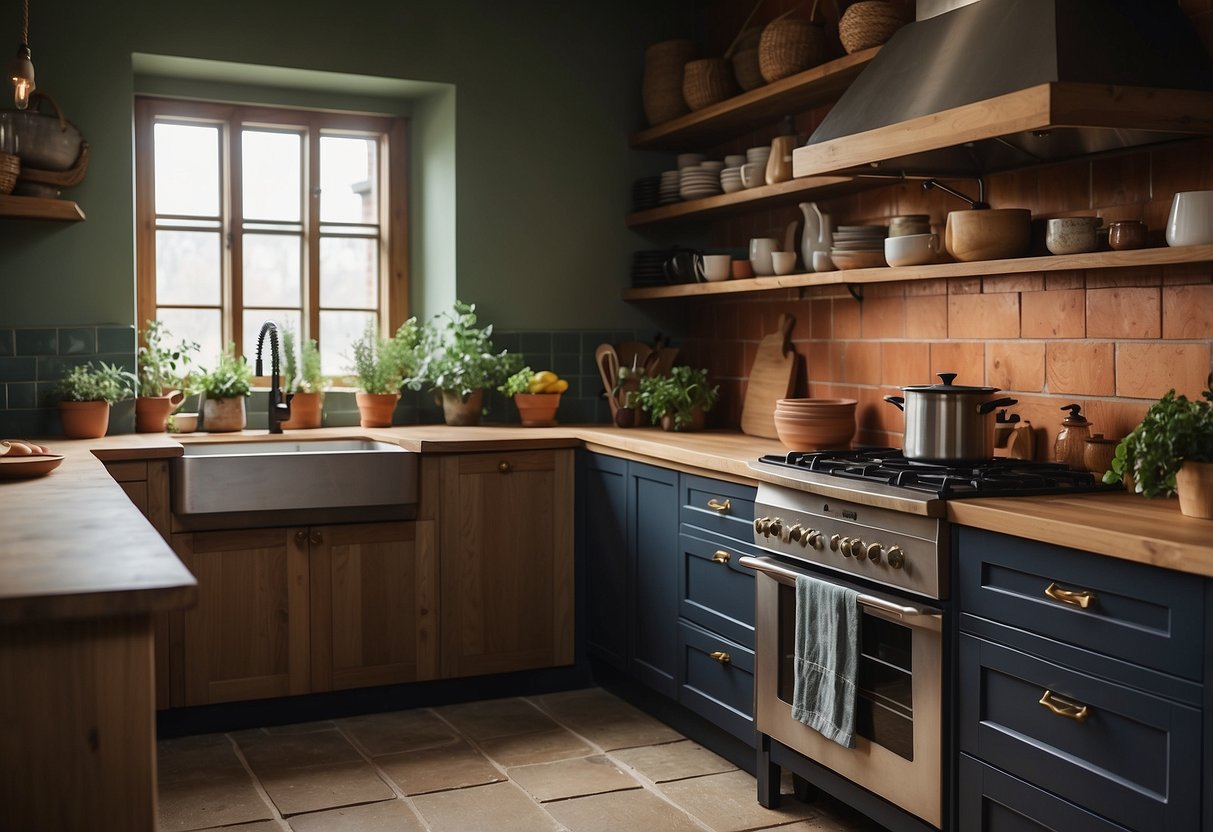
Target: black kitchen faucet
x,y
279,406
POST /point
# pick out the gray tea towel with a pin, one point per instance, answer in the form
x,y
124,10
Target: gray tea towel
x,y
826,658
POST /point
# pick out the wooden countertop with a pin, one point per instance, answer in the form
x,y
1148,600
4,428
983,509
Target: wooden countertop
x,y
75,546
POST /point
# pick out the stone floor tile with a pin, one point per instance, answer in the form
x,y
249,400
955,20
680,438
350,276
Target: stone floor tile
x,y
635,810
311,788
209,755
391,733
201,783
501,807
272,752
544,747
386,816
728,802
572,778
436,769
832,815
496,718
258,826
606,720
300,727
673,761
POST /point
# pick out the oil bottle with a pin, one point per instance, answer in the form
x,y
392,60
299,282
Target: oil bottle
x,y
1072,438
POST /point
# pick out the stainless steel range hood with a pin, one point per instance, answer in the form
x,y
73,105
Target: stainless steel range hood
x,y
999,84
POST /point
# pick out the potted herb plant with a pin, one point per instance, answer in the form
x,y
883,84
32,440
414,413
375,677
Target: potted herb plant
x,y
537,396
87,393
679,400
303,379
380,365
1171,452
455,359
162,371
224,390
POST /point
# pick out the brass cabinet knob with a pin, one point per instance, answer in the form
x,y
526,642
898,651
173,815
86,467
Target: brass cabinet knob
x,y
720,656
873,552
896,557
301,536
315,538
721,556
504,467
717,505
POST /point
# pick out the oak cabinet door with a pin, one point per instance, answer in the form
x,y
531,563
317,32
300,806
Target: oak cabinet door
x,y
374,604
248,636
507,561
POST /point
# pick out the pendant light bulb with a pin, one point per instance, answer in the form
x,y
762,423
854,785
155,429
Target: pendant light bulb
x,y
23,77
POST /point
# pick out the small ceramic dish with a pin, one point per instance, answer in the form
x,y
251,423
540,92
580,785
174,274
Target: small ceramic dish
x,y
24,467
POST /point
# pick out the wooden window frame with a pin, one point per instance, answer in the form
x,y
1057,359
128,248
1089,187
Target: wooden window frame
x,y
393,204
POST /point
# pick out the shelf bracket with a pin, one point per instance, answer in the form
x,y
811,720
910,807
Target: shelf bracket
x,y
856,292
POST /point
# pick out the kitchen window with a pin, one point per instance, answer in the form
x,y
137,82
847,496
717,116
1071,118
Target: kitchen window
x,y
246,214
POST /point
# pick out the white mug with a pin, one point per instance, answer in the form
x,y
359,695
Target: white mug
x,y
761,249
1191,220
783,262
753,174
713,267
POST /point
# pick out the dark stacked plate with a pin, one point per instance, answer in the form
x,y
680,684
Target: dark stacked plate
x,y
646,193
648,267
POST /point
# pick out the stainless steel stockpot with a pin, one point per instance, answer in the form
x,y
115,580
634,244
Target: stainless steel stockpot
x,y
948,423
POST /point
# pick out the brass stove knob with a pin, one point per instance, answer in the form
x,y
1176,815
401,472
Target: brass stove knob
x,y
759,522
835,543
857,548
814,539
794,534
844,546
776,527
896,557
873,551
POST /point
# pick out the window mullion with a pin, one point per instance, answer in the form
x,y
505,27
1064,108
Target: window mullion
x,y
312,216
234,262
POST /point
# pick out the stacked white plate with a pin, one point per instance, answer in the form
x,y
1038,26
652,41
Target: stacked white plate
x,y
699,181
668,191
758,155
690,160
734,160
730,180
859,246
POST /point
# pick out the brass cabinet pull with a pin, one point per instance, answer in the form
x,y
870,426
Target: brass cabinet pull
x,y
1082,599
721,556
716,505
316,538
504,467
1064,707
720,656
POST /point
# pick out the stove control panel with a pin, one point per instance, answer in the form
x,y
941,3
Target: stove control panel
x,y
888,547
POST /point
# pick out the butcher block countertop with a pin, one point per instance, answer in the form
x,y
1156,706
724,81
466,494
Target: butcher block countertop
x,y
74,545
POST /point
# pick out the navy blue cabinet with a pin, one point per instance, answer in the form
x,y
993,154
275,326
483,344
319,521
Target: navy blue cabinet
x,y
603,530
1080,689
652,522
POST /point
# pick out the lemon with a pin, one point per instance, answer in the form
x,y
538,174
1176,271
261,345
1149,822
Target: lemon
x,y
558,386
536,386
546,376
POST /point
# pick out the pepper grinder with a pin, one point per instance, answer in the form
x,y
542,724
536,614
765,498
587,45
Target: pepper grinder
x,y
1071,440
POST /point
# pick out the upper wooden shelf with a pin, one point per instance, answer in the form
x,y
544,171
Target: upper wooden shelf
x,y
39,208
1066,262
725,120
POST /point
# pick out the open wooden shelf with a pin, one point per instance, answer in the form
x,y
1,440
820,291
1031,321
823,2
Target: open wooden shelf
x,y
740,202
1052,263
741,113
39,208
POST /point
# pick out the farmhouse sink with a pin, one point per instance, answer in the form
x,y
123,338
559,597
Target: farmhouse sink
x,y
275,476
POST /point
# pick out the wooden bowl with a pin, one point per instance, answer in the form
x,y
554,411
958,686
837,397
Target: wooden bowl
x,y
858,259
988,233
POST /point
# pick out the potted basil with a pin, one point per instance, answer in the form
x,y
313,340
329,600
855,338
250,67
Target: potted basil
x,y
87,394
380,365
679,400
162,372
225,389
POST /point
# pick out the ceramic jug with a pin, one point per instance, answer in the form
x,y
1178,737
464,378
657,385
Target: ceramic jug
x,y
817,235
779,163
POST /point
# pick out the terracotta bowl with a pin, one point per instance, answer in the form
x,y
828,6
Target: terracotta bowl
x,y
802,434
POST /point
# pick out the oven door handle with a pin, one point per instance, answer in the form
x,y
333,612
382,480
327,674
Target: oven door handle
x,y
777,571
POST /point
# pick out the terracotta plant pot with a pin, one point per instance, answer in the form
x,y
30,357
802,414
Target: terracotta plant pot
x,y
375,410
223,415
307,411
151,412
696,423
457,410
537,410
84,420
1194,483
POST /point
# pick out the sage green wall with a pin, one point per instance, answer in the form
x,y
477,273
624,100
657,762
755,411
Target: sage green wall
x,y
546,93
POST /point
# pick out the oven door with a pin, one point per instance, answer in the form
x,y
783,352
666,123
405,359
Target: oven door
x,y
898,742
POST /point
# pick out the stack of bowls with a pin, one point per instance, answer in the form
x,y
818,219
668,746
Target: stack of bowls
x,y
758,155
690,160
859,246
730,180
814,424
700,181
908,224
667,193
734,160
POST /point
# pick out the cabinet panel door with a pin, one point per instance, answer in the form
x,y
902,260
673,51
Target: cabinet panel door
x,y
507,561
603,526
248,636
374,604
653,529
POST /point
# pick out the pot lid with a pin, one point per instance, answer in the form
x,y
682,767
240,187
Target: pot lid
x,y
947,386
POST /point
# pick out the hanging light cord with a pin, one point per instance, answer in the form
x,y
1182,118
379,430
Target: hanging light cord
x,y
25,23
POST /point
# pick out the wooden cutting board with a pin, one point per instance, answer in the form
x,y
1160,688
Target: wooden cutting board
x,y
771,378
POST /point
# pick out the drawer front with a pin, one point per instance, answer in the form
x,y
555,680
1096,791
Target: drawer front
x,y
719,689
723,507
714,591
1133,759
1144,615
994,801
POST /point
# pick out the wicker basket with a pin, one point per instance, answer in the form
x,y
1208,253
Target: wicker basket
x,y
746,69
707,81
10,166
661,87
870,23
789,46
